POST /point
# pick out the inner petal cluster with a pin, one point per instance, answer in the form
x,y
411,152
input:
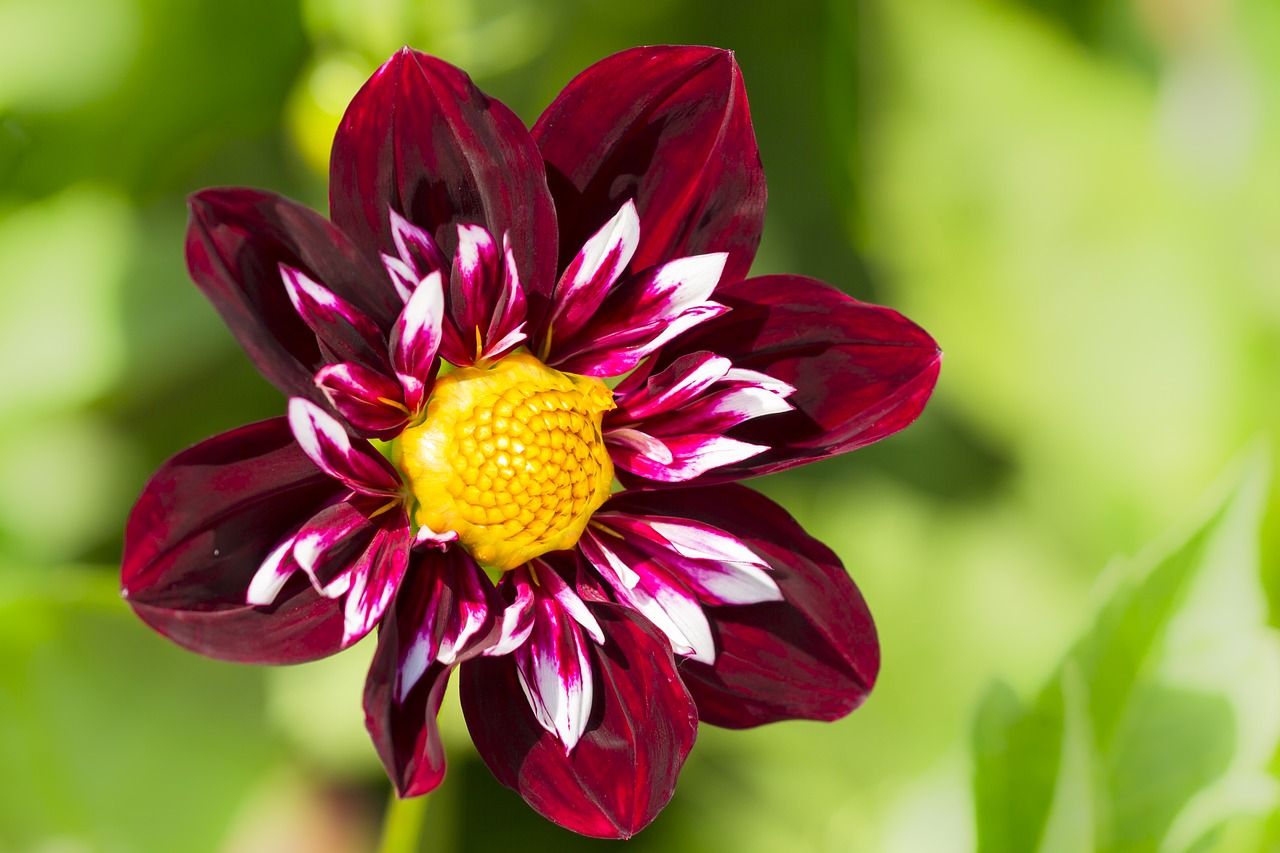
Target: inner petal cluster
x,y
510,457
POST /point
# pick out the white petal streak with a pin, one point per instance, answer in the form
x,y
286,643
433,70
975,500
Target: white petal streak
x,y
686,282
720,568
327,444
569,600
687,378
747,403
374,580
403,278
611,566
272,575
470,610
730,583
554,671
474,242
649,587
760,380
517,617
678,615
640,442
602,259
694,455
416,338
415,663
418,250
704,542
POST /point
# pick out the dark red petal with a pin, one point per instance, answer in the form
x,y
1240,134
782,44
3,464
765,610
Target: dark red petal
x,y
813,655
404,727
623,770
668,127
204,524
421,139
236,241
861,372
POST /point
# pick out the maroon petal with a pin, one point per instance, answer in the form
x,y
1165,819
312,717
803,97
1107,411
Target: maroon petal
x,y
668,127
236,241
420,139
861,372
442,615
623,770
813,655
204,524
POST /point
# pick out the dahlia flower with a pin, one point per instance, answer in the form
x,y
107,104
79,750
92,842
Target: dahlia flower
x,y
524,370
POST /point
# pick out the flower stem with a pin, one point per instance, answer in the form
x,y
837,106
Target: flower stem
x,y
402,825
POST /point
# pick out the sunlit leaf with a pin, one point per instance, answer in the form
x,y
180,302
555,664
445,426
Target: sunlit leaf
x,y
1157,729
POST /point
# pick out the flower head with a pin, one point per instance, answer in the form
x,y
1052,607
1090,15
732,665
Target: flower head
x,y
519,317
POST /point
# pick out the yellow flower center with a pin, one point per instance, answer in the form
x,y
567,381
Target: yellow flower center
x,y
510,457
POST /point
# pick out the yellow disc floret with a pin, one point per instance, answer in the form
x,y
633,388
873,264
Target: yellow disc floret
x,y
510,457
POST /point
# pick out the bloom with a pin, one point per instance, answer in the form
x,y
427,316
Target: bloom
x,y
477,285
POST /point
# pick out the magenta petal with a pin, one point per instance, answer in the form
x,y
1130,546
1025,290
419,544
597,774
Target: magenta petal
x,y
475,281
236,241
507,326
416,339
416,249
668,127
369,401
589,276
327,444
813,655
643,394
553,665
649,587
680,458
343,331
375,578
331,541
420,139
204,524
861,372
640,315
623,770
442,614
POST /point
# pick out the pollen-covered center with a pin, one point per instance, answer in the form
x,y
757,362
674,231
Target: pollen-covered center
x,y
510,457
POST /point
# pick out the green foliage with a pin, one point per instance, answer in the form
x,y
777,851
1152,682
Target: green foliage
x,y
121,741
1155,733
1048,186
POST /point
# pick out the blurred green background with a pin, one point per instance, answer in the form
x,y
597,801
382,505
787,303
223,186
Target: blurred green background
x,y
1079,198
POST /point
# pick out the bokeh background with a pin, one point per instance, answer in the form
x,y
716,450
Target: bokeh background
x,y
1071,556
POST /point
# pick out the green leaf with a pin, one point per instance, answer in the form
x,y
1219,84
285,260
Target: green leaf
x,y
1016,755
1156,731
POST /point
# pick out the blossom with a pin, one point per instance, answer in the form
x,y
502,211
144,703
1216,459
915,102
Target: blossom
x,y
496,324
